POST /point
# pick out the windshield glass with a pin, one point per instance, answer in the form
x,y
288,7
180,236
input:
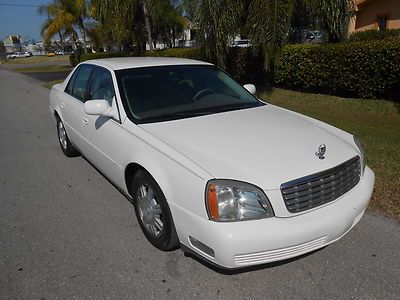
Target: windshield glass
x,y
154,94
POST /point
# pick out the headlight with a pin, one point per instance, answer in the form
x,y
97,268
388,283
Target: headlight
x,y
229,201
362,154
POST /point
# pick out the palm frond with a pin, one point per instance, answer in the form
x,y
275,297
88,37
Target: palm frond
x,y
268,26
218,22
335,15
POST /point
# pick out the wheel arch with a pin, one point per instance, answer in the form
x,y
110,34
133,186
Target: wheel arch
x,y
130,171
56,115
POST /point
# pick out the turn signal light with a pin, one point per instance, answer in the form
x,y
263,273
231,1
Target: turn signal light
x,y
212,202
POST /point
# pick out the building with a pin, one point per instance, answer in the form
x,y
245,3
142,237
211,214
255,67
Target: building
x,y
13,43
376,14
36,48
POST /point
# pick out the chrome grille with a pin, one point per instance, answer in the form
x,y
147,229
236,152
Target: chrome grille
x,y
320,188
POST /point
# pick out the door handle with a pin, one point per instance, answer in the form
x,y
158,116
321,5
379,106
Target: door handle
x,y
62,104
85,121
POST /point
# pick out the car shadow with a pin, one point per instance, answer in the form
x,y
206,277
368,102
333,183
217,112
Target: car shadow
x,y
224,271
100,121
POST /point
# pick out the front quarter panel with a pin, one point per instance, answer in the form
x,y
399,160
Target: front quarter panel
x,y
181,180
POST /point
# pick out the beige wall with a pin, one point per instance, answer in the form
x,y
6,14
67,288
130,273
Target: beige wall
x,y
367,14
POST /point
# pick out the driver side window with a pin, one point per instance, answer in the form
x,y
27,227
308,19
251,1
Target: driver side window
x,y
102,86
80,81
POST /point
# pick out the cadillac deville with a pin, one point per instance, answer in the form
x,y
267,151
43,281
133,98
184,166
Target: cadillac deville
x,y
207,165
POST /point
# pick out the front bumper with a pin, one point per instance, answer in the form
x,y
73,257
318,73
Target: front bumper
x,y
256,242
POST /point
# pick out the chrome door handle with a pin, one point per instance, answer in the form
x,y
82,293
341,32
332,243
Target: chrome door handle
x,y
85,120
62,104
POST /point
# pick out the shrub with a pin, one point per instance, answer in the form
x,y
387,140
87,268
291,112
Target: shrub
x,y
98,55
242,64
74,60
245,66
369,69
370,35
190,53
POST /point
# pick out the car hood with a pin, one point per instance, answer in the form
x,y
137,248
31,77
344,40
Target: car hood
x,y
265,146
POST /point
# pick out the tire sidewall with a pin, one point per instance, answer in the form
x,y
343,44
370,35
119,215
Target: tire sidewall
x,y
70,150
167,240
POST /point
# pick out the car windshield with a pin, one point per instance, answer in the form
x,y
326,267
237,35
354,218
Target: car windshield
x,y
162,93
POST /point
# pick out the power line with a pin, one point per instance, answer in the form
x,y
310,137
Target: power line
x,y
18,5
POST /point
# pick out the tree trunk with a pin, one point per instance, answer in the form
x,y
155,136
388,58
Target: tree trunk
x,y
61,41
83,33
148,27
173,37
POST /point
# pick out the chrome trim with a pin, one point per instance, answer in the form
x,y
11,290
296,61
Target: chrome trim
x,y
312,181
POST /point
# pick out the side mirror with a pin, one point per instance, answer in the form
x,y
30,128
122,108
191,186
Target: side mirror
x,y
102,108
251,88
97,107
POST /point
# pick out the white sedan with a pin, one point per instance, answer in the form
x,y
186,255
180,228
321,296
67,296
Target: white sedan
x,y
207,165
18,55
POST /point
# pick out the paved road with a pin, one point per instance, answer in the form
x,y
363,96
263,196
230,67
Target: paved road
x,y
66,232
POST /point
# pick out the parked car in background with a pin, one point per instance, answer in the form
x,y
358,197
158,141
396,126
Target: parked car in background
x,y
312,37
50,54
207,165
241,43
18,55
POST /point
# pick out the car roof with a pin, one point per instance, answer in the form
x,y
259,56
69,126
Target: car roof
x,y
119,63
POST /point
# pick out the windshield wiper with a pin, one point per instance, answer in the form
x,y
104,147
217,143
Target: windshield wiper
x,y
234,107
197,112
173,116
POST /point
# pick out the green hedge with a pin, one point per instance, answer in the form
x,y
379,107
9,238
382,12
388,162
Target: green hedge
x,y
370,35
241,65
360,69
89,56
189,53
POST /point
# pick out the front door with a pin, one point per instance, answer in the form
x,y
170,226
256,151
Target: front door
x,y
72,105
103,134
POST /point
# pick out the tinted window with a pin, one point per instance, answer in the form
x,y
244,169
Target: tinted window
x,y
102,85
81,80
71,82
170,92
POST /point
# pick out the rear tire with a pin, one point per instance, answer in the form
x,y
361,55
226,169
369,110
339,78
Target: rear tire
x,y
153,213
67,148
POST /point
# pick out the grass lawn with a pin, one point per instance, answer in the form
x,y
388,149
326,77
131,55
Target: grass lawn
x,y
43,69
375,122
37,59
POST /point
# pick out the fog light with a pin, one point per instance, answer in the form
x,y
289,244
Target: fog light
x,y
203,248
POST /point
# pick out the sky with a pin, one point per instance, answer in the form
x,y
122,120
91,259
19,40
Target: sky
x,y
21,18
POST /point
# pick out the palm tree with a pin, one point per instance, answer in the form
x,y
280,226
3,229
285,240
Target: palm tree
x,y
168,22
147,6
268,25
51,27
334,15
266,22
218,21
64,15
116,30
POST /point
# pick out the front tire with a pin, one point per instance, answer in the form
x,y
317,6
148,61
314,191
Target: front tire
x,y
153,213
67,148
